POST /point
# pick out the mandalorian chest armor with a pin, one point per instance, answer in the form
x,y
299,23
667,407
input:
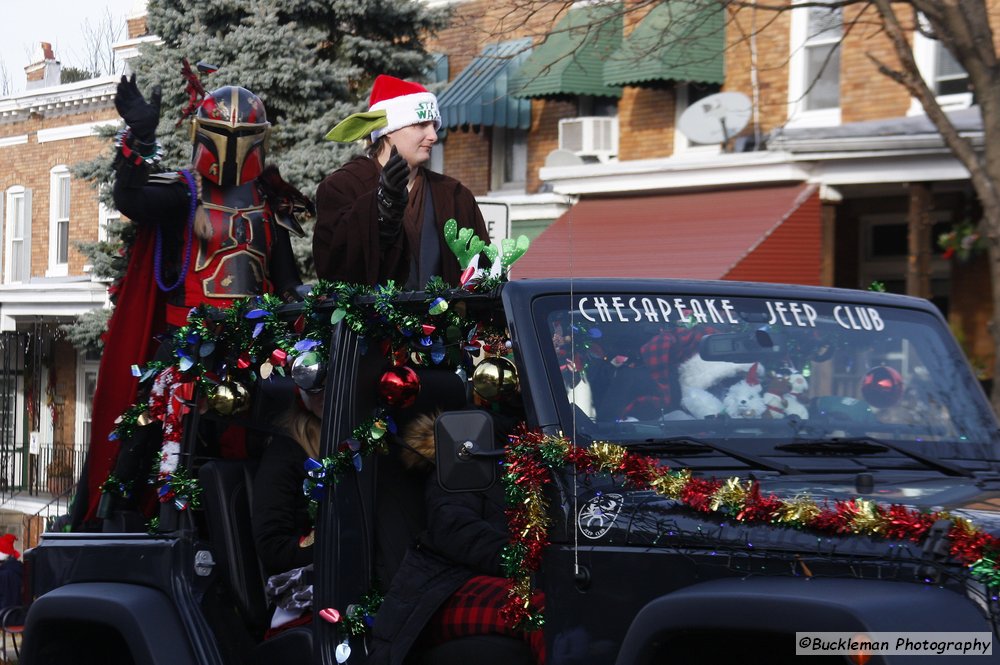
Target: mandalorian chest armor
x,y
232,261
231,250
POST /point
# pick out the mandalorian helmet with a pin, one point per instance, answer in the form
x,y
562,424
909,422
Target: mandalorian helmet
x,y
229,132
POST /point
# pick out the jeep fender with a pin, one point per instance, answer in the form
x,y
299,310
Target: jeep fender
x,y
788,605
145,618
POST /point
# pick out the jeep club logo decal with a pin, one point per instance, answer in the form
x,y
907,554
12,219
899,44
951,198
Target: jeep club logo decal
x,y
598,514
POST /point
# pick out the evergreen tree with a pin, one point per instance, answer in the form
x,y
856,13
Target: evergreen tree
x,y
312,63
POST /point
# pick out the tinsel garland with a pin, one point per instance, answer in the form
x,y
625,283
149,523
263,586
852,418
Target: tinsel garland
x,y
360,616
249,341
532,456
115,486
181,489
366,439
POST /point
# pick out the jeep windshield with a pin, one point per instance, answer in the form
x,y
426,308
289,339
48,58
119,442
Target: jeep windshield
x,y
774,376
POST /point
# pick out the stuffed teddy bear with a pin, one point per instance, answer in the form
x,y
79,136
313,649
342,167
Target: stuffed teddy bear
x,y
784,395
795,396
745,398
696,376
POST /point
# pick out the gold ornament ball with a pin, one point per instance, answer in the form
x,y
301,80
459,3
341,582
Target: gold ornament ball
x,y
495,378
229,398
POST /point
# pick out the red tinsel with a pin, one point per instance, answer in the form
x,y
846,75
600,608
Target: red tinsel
x,y
697,493
758,508
967,545
907,524
830,521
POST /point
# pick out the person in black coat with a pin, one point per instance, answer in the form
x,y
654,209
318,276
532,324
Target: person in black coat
x,y
453,568
282,526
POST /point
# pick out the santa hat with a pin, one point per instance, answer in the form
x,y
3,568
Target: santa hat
x,y
7,545
393,104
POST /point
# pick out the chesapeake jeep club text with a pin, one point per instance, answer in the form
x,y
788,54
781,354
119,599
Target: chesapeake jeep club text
x,y
626,309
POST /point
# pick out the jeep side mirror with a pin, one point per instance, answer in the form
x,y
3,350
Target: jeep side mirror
x,y
466,458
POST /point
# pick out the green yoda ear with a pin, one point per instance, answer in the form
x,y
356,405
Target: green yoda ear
x,y
357,126
513,250
464,243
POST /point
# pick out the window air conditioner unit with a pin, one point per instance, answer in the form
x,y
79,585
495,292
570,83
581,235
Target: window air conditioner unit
x,y
590,136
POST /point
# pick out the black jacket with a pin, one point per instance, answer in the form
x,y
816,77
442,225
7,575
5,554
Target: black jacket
x,y
465,535
280,511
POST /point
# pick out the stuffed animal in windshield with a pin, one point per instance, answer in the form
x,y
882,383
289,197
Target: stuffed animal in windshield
x,y
784,394
697,376
745,398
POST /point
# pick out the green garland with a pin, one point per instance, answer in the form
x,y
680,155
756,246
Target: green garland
x,y
183,490
115,486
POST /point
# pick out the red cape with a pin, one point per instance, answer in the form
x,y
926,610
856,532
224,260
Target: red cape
x,y
131,339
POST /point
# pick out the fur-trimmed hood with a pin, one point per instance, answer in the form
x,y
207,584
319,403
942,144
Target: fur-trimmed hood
x,y
418,442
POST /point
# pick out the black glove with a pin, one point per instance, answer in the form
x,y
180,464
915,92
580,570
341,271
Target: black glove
x,y
392,194
141,116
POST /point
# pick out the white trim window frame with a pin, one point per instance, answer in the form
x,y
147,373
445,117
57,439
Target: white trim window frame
x,y
106,216
936,65
17,235
59,215
86,382
509,160
813,72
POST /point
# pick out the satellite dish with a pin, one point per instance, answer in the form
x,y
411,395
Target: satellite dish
x,y
561,157
716,118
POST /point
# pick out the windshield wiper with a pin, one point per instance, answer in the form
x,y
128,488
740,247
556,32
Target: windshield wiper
x,y
692,445
862,445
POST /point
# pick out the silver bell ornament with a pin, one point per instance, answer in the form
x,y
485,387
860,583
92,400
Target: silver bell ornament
x,y
309,372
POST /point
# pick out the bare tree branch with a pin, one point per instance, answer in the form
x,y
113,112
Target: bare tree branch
x,y
909,76
99,39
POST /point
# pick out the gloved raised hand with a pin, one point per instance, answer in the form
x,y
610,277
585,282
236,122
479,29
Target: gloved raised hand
x,y
392,194
141,116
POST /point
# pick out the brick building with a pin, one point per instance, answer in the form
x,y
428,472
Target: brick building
x,y
46,384
837,177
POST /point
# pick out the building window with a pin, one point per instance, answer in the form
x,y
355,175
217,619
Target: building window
x,y
59,206
814,68
86,384
509,159
107,219
943,74
17,234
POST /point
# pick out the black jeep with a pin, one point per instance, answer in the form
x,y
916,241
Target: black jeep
x,y
833,467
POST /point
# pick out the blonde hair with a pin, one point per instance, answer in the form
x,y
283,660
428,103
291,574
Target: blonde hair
x,y
418,439
304,428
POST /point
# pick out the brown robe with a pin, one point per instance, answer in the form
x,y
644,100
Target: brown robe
x,y
346,245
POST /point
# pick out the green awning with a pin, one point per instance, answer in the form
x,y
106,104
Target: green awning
x,y
571,59
479,95
680,40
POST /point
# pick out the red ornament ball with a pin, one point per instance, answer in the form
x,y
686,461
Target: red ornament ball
x,y
882,387
399,386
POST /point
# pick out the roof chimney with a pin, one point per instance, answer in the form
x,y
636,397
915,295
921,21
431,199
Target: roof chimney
x,y
44,72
